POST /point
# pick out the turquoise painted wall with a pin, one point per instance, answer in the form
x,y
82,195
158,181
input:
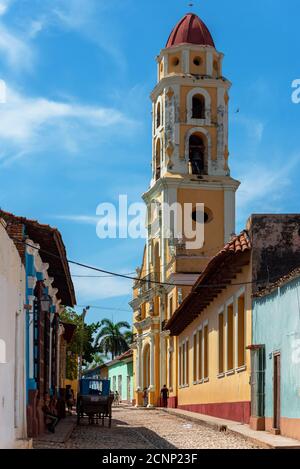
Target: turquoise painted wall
x,y
124,370
276,323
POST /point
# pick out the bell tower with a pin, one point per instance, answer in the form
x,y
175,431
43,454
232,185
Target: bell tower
x,y
190,165
190,105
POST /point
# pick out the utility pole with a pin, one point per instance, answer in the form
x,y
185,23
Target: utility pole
x,y
84,312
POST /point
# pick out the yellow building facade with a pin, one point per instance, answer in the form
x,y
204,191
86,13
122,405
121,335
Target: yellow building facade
x,y
189,166
213,330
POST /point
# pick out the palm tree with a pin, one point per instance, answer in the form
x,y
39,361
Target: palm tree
x,y
110,338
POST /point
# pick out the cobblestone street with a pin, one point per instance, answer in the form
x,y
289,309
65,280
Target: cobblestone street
x,y
148,429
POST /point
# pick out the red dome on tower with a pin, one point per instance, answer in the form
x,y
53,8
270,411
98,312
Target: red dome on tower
x,y
190,30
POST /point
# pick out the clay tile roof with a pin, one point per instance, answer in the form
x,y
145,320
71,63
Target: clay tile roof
x,y
52,251
190,30
238,243
285,279
124,356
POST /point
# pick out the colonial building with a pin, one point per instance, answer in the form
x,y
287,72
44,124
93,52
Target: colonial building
x,y
48,290
120,374
276,357
13,431
189,166
229,348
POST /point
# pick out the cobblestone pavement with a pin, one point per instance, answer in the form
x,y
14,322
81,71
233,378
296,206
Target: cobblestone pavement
x,y
148,429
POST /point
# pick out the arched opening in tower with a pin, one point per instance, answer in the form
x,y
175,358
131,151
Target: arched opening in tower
x,y
197,154
158,116
157,160
198,107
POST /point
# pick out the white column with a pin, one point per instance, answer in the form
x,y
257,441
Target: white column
x,y
186,61
170,370
229,214
221,141
138,364
152,358
209,63
163,360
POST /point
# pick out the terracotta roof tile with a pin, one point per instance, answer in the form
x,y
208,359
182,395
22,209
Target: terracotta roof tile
x,y
52,251
190,30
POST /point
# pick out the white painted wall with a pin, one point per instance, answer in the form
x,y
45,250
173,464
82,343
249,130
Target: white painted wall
x,y
12,334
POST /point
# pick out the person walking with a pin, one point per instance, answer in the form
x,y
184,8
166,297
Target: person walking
x,y
164,395
145,397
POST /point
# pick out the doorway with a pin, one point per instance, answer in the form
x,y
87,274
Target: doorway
x,y
128,389
276,391
258,366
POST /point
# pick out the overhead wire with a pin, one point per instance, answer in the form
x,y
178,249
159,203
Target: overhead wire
x,y
142,280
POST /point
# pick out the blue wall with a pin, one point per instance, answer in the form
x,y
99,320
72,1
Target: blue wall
x,y
276,324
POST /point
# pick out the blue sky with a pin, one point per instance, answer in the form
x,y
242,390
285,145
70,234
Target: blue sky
x,y
76,128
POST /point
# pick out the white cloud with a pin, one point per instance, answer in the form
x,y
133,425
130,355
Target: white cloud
x,y
254,127
82,219
35,27
15,49
4,5
264,188
94,20
28,123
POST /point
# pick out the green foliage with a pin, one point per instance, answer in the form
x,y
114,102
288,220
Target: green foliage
x,y
82,341
111,339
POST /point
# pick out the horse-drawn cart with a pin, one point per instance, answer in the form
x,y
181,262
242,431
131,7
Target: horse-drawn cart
x,y
94,401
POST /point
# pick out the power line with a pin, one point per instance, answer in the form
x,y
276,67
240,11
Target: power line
x,y
106,307
96,276
143,280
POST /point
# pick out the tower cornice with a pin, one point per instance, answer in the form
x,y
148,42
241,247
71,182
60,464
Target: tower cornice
x,y
189,80
190,47
208,183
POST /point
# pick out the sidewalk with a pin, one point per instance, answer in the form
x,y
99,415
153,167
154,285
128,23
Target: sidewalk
x,y
263,439
62,432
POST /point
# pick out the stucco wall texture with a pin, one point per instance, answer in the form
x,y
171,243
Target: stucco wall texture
x,y
276,324
124,370
12,331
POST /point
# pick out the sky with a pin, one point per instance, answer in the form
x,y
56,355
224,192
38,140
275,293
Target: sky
x,y
75,130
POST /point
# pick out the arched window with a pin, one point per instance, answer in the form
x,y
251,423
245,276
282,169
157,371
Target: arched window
x,y
157,160
198,107
158,116
196,154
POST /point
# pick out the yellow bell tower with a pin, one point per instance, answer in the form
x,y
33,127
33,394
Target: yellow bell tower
x,y
189,166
